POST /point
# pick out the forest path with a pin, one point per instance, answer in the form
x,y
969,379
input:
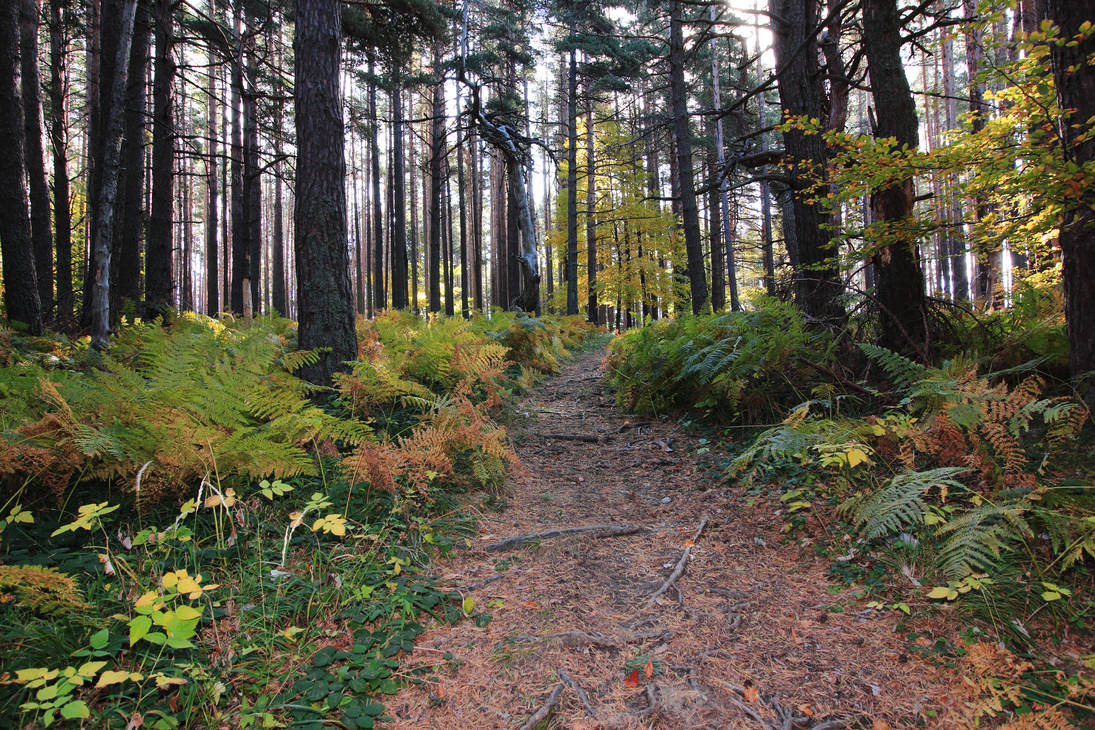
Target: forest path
x,y
751,635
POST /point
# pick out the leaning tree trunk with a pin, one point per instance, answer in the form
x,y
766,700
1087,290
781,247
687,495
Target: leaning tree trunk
x,y
682,135
900,284
1075,79
325,297
20,284
41,237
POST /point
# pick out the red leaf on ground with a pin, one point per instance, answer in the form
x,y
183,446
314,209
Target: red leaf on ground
x,y
632,679
648,670
751,694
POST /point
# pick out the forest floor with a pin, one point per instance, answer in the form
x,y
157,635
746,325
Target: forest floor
x,y
752,634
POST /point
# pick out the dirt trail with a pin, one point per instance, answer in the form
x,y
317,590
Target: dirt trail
x,y
747,637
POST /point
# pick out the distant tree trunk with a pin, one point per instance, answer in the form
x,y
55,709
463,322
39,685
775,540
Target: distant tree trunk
x,y
817,279
252,175
41,237
572,185
159,254
768,254
900,287
678,94
380,298
461,143
721,201
477,223
956,247
102,230
240,246
714,231
126,261
413,243
58,130
983,274
1076,94
212,249
400,299
326,310
20,282
437,162
591,216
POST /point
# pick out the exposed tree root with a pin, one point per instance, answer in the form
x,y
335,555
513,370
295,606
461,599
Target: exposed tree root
x,y
679,569
588,438
602,530
546,708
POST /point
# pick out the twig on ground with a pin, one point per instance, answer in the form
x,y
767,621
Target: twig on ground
x,y
545,710
679,569
638,424
480,584
570,639
751,713
590,438
582,696
602,530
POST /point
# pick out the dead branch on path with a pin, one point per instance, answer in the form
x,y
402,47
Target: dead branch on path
x,y
679,569
582,696
601,530
588,438
545,710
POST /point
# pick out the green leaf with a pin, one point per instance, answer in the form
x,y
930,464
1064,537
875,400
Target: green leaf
x,y
75,710
939,592
469,605
138,628
1050,595
904,607
99,639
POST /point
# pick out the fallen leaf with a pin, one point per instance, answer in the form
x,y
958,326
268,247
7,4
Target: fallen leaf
x,y
689,543
880,725
632,679
751,694
648,670
528,604
806,710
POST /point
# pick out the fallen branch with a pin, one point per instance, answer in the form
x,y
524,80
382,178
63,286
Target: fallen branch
x,y
586,437
582,696
480,584
549,705
569,639
679,569
602,530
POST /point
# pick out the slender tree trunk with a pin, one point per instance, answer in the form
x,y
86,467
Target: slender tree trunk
x,y
572,185
477,223
591,216
697,277
900,289
212,248
241,248
41,236
412,168
126,261
956,247
252,176
278,299
21,302
58,125
437,161
323,263
400,299
380,299
461,143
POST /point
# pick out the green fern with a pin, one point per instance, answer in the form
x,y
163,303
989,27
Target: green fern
x,y
900,504
974,541
900,369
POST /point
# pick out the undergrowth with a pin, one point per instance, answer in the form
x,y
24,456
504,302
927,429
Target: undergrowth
x,y
965,483
192,536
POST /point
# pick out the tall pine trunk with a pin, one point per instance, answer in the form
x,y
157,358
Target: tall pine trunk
x,y
41,236
58,133
437,161
572,185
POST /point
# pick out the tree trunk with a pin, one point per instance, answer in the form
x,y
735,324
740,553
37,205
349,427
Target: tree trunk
x,y
126,260
20,283
58,127
682,135
400,299
326,311
380,298
41,237
437,161
900,287
817,279
241,248
102,232
159,257
572,185
212,249
956,247
591,216
1076,94
461,144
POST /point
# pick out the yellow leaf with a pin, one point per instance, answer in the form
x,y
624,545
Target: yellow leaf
x,y
112,676
856,457
939,592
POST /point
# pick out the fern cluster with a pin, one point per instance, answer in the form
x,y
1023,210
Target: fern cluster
x,y
748,366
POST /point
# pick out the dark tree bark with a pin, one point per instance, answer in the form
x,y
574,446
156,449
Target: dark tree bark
x,y
714,231
41,237
1075,79
326,311
400,299
682,135
20,283
437,167
817,279
212,279
241,248
900,287
111,100
126,261
461,144
572,185
477,220
591,217
159,259
58,133
252,177
380,299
